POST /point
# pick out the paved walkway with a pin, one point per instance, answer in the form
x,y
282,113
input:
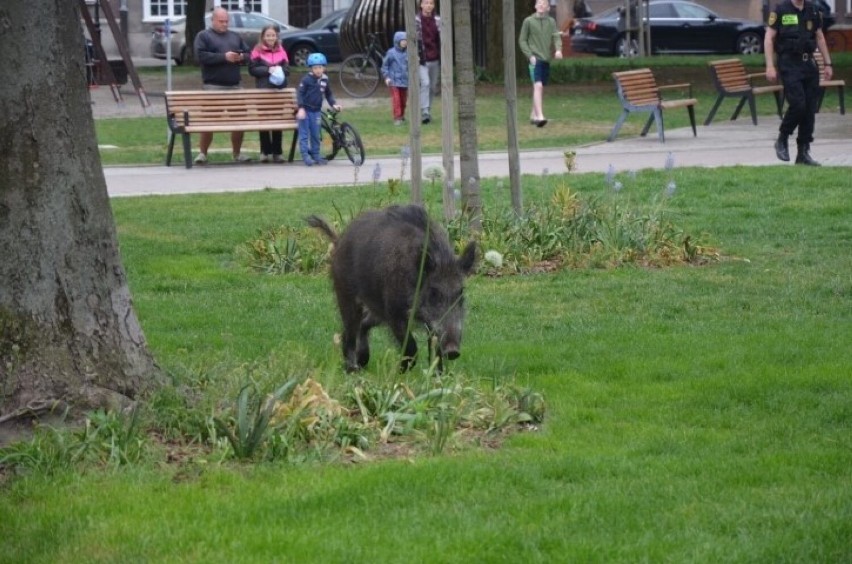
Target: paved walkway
x,y
724,143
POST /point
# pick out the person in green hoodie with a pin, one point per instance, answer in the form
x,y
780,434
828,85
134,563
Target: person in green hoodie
x,y
539,38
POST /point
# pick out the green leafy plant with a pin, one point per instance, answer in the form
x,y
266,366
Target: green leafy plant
x,y
113,438
248,428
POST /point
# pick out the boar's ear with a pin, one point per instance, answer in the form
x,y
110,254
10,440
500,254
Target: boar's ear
x,y
467,258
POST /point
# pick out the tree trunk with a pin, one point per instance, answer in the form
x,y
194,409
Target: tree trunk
x,y
468,154
68,332
195,10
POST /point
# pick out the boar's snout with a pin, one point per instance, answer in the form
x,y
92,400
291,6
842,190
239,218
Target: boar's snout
x,y
452,352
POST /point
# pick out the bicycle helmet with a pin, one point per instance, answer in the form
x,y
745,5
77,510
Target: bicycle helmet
x,y
315,59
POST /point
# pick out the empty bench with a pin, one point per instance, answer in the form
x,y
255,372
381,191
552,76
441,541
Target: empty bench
x,y
732,81
638,91
213,111
826,84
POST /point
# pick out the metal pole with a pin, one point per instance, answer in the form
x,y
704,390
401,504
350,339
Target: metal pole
x,y
123,18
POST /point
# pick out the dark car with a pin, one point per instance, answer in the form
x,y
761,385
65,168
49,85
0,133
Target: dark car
x,y
323,36
247,25
676,27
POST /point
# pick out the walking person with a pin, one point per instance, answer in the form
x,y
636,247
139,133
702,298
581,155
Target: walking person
x,y
539,38
220,52
428,27
395,73
794,30
270,67
309,96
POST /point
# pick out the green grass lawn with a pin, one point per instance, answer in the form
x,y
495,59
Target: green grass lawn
x,y
694,414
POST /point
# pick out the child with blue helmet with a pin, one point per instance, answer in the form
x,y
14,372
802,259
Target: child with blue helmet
x,y
309,96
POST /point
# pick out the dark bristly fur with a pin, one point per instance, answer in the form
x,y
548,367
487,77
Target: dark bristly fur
x,y
375,269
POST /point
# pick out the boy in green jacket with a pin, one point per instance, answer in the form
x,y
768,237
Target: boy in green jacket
x,y
538,39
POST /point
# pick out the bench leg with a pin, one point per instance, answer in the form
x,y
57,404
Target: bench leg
x,y
618,124
293,146
739,108
819,99
713,110
779,103
171,148
187,150
841,95
691,110
658,117
752,107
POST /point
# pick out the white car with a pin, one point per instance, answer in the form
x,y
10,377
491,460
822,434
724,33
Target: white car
x,y
248,25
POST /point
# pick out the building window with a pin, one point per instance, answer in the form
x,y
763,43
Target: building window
x,y
160,10
242,5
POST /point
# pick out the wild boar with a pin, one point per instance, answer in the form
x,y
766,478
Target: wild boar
x,y
386,264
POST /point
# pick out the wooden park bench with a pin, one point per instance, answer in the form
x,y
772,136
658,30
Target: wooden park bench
x,y
211,111
826,84
638,92
732,81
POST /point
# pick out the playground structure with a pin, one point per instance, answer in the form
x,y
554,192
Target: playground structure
x,y
100,70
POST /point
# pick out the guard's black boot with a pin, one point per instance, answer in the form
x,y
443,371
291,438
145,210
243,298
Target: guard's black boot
x,y
803,157
782,151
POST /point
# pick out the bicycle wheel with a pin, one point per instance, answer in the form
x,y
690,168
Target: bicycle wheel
x,y
351,142
329,146
359,76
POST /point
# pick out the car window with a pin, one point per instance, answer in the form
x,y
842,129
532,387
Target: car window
x,y
254,21
693,11
662,11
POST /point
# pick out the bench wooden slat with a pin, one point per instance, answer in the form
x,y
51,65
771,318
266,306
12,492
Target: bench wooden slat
x,y
211,111
638,91
732,81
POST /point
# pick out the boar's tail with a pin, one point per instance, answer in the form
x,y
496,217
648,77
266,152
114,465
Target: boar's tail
x,y
321,224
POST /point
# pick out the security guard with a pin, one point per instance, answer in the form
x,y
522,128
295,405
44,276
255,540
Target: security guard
x,y
794,30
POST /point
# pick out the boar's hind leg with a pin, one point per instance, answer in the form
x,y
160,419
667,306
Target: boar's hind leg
x,y
362,350
351,314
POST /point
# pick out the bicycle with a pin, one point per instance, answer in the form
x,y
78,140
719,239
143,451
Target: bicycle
x,y
359,73
340,135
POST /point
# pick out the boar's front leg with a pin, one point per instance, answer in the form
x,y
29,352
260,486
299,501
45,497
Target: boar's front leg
x,y
399,327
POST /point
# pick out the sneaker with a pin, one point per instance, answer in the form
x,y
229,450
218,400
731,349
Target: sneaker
x,y
264,158
241,158
309,161
320,161
277,159
398,122
201,159
426,118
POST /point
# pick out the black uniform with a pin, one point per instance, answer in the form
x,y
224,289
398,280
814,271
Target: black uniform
x,y
795,44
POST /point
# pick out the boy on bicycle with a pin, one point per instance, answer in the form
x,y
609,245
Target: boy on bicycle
x,y
313,88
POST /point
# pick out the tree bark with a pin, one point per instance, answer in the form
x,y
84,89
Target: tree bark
x,y
68,332
468,153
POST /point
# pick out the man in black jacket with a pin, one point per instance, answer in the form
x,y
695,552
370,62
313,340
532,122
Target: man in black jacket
x,y
794,31
220,53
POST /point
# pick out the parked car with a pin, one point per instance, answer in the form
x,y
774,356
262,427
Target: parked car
x,y
248,25
323,35
676,27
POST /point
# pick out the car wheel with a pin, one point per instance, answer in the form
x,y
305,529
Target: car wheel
x,y
299,54
622,50
749,43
